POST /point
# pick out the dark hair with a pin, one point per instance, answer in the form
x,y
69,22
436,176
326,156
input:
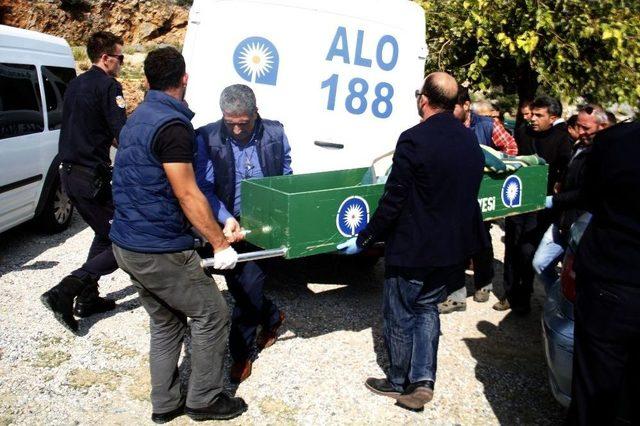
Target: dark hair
x,y
164,68
525,103
573,120
463,95
100,43
612,118
438,95
553,106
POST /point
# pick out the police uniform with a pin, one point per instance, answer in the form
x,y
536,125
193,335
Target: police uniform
x,y
93,115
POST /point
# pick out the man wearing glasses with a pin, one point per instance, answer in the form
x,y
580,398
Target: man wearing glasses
x,y
242,146
93,115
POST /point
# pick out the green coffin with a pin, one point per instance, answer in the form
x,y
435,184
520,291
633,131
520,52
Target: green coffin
x,y
311,213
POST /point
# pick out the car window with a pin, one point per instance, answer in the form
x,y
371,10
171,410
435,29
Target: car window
x,y
20,106
55,80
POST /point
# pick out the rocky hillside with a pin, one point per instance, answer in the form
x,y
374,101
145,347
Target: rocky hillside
x,y
137,21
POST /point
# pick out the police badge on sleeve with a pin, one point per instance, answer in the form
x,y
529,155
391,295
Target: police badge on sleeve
x,y
120,101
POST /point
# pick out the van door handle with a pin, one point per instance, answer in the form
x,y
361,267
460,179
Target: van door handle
x,y
329,144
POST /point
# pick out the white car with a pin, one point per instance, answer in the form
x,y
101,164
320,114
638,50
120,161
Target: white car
x,y
35,69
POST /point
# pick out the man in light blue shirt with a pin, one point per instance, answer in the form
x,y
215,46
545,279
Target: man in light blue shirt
x,y
242,145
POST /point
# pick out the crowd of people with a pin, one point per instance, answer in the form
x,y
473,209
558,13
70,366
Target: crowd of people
x,y
171,182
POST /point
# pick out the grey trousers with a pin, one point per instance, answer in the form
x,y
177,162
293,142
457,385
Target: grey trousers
x,y
173,287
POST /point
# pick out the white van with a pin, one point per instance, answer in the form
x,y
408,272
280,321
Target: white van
x,y
35,69
339,74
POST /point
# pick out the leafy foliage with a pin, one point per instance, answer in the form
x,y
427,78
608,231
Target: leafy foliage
x,y
568,48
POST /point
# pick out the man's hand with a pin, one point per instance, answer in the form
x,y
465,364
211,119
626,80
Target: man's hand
x,y
225,259
232,231
349,247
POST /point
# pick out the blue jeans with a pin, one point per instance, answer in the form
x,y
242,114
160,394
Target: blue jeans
x,y
412,324
547,256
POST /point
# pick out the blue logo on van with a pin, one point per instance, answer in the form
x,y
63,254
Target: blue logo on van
x,y
256,60
512,192
353,216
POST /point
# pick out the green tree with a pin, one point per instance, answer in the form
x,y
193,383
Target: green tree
x,y
568,48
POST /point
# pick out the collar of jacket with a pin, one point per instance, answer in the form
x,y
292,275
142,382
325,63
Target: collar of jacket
x,y
163,98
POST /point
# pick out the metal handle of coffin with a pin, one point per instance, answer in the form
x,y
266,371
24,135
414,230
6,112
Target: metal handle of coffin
x,y
329,144
253,255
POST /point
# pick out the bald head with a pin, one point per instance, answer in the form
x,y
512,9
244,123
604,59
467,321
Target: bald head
x,y
441,89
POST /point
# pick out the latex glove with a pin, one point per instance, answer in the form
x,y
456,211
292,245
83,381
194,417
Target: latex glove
x,y
349,247
225,259
548,202
232,231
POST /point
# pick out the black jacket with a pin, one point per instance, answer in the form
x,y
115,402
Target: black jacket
x,y
609,251
429,212
92,117
566,202
552,145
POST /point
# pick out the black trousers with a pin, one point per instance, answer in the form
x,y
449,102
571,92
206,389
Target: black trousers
x,y
521,238
606,357
483,262
97,212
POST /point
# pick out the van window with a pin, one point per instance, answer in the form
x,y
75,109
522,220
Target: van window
x,y
55,80
20,106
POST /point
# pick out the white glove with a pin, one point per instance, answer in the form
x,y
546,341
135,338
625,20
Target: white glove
x,y
225,259
548,202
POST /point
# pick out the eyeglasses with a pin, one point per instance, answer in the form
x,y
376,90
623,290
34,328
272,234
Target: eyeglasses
x,y
120,58
418,93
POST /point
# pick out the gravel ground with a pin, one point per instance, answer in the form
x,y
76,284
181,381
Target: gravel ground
x,y
491,364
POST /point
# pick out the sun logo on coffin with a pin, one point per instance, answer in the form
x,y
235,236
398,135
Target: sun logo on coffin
x,y
353,216
512,192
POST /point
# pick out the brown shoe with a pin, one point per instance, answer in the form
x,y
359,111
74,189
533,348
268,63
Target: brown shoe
x,y
240,371
502,305
481,295
268,337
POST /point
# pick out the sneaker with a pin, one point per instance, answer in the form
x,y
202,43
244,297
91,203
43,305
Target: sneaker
x,y
381,387
168,416
268,336
502,305
416,395
449,306
96,305
59,300
481,296
223,408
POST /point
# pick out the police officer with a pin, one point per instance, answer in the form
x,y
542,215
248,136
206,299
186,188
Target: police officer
x,y
93,114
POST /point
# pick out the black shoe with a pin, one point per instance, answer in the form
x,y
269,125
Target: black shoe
x,y
381,387
59,300
168,416
416,395
223,408
96,305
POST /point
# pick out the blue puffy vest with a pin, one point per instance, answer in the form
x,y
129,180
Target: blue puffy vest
x,y
148,217
269,147
483,128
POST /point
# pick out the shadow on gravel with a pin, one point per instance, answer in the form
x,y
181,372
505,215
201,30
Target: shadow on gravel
x,y
85,324
21,245
511,366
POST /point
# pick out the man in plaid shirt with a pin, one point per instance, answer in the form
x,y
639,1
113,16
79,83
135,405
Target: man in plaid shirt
x,y
489,131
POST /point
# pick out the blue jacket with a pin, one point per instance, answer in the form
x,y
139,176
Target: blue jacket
x,y
483,128
148,217
216,168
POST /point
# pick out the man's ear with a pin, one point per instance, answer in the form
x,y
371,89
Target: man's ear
x,y
185,79
146,84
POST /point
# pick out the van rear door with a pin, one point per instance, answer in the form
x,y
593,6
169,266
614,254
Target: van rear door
x,y
339,75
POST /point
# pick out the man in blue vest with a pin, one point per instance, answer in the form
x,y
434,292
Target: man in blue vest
x,y
156,202
242,145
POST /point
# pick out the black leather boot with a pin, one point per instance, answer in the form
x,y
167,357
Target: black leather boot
x,y
89,301
59,300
